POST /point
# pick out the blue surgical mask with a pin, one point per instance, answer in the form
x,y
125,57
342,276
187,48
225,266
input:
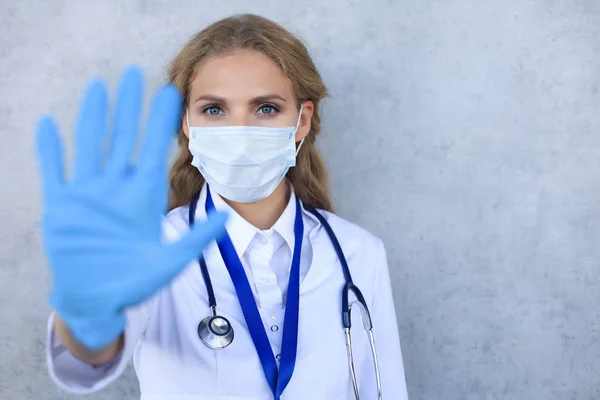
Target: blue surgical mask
x,y
243,163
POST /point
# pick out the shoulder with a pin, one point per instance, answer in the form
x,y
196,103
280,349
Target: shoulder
x,y
364,252
175,223
354,239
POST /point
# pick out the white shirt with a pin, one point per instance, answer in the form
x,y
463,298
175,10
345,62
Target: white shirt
x,y
172,363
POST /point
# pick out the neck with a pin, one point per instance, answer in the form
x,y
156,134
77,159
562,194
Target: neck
x,y
264,213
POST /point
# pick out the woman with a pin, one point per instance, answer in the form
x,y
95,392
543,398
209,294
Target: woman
x,y
130,283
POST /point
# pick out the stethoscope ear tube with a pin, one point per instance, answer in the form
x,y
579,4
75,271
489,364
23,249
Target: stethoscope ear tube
x,y
361,303
349,286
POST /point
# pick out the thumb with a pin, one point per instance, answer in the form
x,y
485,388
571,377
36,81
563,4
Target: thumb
x,y
191,245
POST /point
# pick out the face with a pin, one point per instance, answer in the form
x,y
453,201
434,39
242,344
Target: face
x,y
245,88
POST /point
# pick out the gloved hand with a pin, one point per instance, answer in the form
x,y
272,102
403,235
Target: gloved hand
x,y
102,230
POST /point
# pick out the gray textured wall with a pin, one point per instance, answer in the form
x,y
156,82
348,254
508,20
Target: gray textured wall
x,y
465,133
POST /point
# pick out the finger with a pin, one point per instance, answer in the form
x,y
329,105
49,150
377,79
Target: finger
x,y
162,125
90,130
50,156
191,245
127,116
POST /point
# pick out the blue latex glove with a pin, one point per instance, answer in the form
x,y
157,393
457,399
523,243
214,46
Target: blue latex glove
x,y
102,230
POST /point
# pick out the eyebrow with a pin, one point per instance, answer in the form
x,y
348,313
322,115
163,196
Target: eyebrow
x,y
255,100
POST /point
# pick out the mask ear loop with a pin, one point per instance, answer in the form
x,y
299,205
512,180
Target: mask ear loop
x,y
296,130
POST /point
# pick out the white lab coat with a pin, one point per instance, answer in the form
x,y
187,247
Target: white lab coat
x,y
172,364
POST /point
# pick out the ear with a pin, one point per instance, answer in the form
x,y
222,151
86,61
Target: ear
x,y
184,126
305,120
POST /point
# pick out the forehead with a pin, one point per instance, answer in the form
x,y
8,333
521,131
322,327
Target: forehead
x,y
240,73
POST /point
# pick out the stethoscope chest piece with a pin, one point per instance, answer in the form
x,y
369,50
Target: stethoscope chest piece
x,y
215,332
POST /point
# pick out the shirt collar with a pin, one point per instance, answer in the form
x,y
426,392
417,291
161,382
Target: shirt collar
x,y
241,231
285,224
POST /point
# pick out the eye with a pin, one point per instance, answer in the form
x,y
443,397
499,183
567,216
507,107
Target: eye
x,y
212,109
268,109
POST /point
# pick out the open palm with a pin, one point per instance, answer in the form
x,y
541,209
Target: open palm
x,y
102,229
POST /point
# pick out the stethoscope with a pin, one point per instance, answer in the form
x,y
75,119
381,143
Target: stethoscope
x,y
216,332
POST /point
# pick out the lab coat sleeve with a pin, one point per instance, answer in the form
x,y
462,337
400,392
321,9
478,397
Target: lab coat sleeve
x,y
75,376
387,337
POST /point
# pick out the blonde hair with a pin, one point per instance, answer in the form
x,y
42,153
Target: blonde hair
x,y
252,32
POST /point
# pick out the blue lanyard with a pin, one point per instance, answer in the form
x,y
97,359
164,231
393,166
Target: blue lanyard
x,y
277,380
